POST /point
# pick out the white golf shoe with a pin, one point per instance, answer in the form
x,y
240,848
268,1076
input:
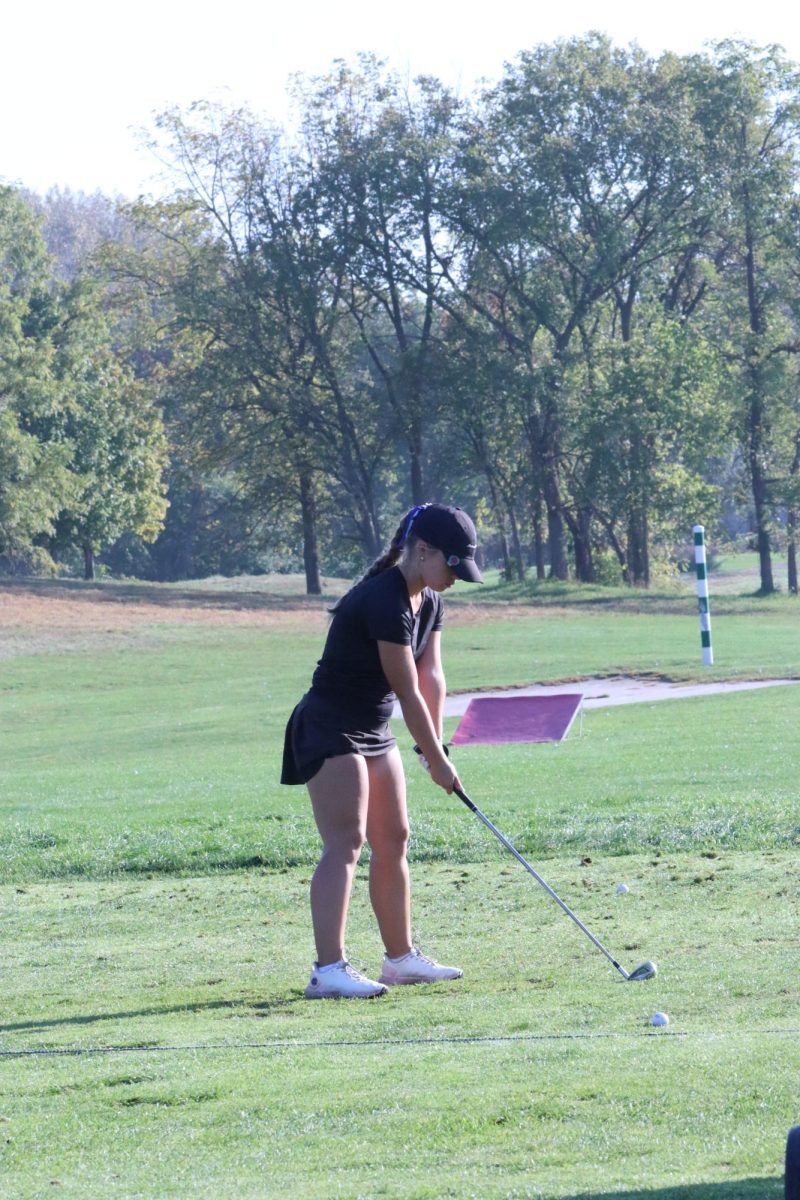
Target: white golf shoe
x,y
339,981
415,967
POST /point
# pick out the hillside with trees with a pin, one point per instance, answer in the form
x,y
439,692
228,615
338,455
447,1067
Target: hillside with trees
x,y
569,302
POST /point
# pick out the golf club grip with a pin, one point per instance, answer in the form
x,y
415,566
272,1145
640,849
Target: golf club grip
x,y
462,795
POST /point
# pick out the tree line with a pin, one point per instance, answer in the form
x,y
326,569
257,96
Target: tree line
x,y
568,302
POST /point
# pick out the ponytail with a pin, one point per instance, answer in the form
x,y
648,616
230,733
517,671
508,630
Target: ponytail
x,y
401,536
392,555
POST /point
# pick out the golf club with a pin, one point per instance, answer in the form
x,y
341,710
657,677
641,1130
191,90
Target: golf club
x,y
647,969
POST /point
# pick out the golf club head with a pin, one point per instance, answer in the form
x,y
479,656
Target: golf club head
x,y
646,971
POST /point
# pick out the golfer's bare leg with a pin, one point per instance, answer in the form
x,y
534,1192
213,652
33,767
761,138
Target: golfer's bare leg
x,y
387,834
339,793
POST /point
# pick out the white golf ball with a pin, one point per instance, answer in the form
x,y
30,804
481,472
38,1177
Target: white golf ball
x,y
622,887
659,1019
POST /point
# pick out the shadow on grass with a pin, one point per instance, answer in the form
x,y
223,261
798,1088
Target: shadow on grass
x,y
165,595
738,1189
260,1008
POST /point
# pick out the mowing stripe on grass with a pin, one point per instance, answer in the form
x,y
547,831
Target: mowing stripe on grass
x,y
356,1043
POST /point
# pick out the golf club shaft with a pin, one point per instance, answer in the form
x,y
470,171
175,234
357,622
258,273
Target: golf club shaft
x,y
513,850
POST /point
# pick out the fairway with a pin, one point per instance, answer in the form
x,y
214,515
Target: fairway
x,y
154,1040
419,399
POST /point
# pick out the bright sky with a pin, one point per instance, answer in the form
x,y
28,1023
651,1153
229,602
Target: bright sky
x,y
81,78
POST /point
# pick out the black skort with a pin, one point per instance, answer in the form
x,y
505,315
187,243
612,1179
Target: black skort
x,y
319,729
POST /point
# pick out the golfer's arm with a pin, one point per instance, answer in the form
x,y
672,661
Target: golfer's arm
x,y
401,671
430,675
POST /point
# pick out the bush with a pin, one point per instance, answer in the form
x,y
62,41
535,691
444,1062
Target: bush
x,y
682,557
28,560
607,570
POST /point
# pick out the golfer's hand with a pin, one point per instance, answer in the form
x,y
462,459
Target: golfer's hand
x,y
423,762
444,774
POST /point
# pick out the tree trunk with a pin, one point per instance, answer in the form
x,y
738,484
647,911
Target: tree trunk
x,y
758,480
310,553
357,476
755,411
516,542
638,556
581,537
369,531
497,509
792,525
619,550
538,542
557,544
415,456
88,562
176,555
761,506
556,533
508,567
550,457
543,429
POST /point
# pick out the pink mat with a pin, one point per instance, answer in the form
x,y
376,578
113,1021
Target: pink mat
x,y
493,720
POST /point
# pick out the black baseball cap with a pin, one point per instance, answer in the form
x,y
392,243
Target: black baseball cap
x,y
451,531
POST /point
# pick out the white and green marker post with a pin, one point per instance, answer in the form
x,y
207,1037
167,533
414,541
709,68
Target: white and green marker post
x,y
702,593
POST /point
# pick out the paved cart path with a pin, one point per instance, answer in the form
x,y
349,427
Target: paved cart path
x,y
602,693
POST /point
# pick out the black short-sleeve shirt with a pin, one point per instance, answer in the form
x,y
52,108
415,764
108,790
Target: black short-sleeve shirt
x,y
347,708
376,610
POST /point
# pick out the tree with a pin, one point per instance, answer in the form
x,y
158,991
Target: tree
x,y
75,226
576,173
118,453
378,150
485,417
34,479
754,107
109,432
651,412
256,274
82,447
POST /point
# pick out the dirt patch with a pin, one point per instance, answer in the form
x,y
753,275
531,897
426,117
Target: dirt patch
x,y
37,618
45,616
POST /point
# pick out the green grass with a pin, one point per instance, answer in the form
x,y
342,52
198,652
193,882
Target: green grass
x,y
710,772
156,936
166,759
563,644
537,1075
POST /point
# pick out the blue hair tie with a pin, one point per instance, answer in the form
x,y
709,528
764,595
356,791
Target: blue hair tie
x,y
410,519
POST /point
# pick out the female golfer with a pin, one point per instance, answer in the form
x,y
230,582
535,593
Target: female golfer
x,y
382,645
